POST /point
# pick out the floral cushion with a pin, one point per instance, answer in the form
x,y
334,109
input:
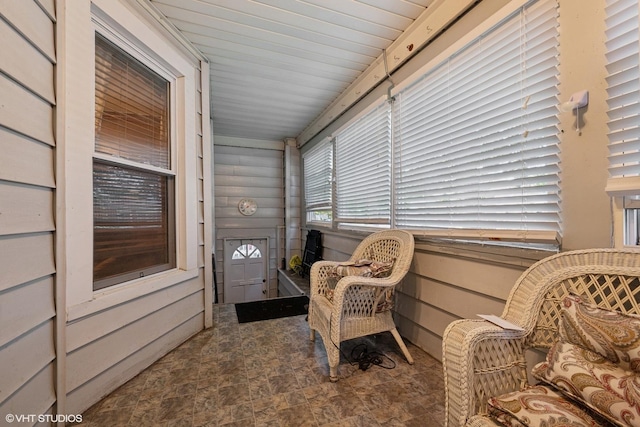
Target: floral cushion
x,y
363,268
612,334
593,380
539,406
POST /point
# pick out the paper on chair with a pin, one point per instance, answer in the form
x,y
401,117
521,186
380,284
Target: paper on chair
x,y
496,320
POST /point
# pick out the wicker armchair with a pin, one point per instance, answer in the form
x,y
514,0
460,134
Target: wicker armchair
x,y
481,360
352,312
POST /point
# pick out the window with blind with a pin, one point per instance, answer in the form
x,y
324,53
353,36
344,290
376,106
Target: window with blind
x,y
476,148
133,180
623,102
318,182
623,96
363,170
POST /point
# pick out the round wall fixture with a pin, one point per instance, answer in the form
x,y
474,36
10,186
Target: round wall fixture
x,y
247,207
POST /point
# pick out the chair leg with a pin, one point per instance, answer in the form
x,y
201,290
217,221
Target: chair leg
x,y
403,347
333,357
333,374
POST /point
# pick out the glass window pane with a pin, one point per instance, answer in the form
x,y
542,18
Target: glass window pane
x,y
132,108
133,224
246,251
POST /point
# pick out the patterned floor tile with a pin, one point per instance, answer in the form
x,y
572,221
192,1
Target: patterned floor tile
x,y
269,374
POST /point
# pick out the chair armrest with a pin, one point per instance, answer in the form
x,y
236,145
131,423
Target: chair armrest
x,y
320,271
357,296
479,360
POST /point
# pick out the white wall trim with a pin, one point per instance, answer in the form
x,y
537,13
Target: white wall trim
x,y
118,294
63,38
207,178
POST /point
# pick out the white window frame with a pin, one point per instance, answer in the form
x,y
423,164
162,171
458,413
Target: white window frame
x,y
631,221
76,108
169,172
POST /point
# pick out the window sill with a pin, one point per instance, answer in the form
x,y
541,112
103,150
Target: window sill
x,y
119,294
486,252
476,250
312,224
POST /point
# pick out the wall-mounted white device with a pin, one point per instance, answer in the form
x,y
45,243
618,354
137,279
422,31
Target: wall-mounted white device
x,y
577,100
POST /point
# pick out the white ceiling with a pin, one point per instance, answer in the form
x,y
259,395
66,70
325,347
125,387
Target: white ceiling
x,y
276,65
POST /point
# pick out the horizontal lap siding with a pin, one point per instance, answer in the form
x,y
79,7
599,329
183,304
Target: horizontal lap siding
x,y
442,288
241,172
105,351
27,193
111,378
25,257
22,160
438,289
30,209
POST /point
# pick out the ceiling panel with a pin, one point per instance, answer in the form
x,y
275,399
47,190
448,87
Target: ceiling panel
x,y
275,65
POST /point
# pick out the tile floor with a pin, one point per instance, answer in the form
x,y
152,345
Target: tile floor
x,y
269,373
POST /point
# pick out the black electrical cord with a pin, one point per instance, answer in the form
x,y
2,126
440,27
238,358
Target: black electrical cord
x,y
361,356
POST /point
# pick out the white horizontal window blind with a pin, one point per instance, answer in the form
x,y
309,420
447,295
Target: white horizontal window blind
x,y
623,96
318,180
476,145
363,169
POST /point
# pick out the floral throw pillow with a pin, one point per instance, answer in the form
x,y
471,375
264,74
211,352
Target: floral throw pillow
x,y
363,268
539,406
612,334
593,380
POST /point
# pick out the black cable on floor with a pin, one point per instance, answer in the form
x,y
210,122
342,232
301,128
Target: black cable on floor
x,y
361,356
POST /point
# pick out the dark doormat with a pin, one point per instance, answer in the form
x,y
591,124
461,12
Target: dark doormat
x,y
272,308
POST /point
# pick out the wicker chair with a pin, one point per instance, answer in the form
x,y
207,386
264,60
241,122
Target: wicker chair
x,y
481,360
353,313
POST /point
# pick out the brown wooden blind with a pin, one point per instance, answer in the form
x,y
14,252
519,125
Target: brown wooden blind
x,y
134,231
131,108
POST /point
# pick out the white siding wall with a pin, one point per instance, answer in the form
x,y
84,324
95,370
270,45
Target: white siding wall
x,y
27,192
246,172
442,287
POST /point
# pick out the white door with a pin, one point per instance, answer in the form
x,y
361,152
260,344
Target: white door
x,y
245,269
